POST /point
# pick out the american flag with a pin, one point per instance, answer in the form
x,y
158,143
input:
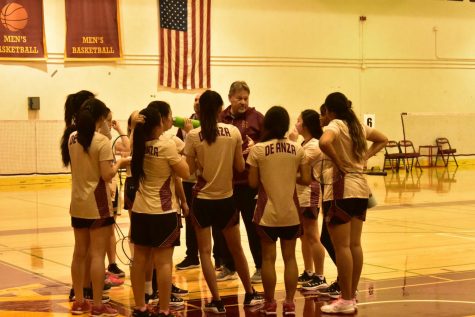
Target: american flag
x,y
185,43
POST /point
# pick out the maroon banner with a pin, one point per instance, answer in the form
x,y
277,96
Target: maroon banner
x,y
22,29
92,29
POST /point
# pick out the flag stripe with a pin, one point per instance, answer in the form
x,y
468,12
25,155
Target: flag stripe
x,y
193,39
162,56
185,60
177,58
200,63
185,55
168,60
208,44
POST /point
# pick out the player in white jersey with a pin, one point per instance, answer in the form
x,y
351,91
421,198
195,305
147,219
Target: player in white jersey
x,y
274,164
112,268
215,149
90,156
167,122
155,225
191,259
345,192
308,126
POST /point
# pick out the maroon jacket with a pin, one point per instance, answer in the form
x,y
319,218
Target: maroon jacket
x,y
249,123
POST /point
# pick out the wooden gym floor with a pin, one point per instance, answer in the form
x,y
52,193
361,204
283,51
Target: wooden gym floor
x,y
419,247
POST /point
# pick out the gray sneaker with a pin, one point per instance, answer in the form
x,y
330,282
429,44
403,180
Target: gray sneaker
x,y
256,278
226,274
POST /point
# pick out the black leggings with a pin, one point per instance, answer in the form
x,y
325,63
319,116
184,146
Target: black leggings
x,y
245,200
327,241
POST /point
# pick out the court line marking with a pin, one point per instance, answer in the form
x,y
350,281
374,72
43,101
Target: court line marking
x,y
426,204
14,232
397,287
456,236
420,284
418,301
59,283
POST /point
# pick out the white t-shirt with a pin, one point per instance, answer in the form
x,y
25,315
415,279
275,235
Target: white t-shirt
x,y
156,192
215,162
180,145
309,196
90,195
354,184
278,162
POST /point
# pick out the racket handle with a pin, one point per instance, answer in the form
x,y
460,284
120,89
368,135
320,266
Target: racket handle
x,y
376,173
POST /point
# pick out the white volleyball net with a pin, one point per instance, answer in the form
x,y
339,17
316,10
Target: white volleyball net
x,y
30,147
33,146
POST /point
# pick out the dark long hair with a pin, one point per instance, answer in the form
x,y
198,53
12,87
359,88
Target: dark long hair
x,y
142,133
161,106
91,111
71,109
210,106
338,104
129,126
73,104
311,120
276,124
64,144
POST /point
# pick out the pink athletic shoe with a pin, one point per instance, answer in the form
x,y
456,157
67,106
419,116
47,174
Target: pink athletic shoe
x,y
289,308
80,308
269,308
103,311
113,280
339,306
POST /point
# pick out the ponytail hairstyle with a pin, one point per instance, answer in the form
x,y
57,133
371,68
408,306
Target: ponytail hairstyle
x,y
91,111
64,144
311,120
276,124
143,132
71,108
73,104
338,104
162,107
210,106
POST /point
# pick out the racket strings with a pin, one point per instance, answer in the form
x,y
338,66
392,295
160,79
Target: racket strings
x,y
123,241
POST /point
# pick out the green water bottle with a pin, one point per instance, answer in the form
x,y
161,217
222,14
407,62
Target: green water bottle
x,y
179,122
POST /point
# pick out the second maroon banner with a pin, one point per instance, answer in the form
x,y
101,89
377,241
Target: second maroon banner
x,y
92,30
21,30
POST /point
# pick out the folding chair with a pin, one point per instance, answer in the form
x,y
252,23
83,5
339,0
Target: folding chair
x,y
445,151
408,152
392,156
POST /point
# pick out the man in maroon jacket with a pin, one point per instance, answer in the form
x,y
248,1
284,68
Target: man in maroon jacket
x,y
249,122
